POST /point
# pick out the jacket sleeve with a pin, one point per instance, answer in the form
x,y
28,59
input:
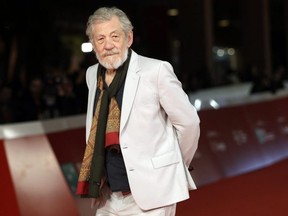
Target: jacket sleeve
x,y
180,111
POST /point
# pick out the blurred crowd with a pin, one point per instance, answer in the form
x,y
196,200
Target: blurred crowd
x,y
61,93
266,82
49,96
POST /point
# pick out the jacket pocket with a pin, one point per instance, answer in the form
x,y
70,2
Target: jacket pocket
x,y
165,160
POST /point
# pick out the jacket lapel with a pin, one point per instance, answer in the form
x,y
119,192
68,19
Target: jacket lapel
x,y
130,89
92,91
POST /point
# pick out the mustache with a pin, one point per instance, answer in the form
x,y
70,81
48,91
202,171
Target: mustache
x,y
110,52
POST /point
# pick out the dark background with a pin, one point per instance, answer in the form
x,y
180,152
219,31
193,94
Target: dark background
x,y
41,39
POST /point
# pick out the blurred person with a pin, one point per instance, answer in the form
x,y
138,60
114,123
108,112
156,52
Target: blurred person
x,y
232,77
8,112
261,81
66,99
78,78
141,129
3,60
32,102
50,95
278,79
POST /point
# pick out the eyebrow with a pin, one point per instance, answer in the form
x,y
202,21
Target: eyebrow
x,y
113,32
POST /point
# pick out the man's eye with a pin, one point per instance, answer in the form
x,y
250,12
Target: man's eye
x,y
100,40
115,37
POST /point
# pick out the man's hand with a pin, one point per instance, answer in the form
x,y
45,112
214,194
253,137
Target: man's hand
x,y
105,193
95,202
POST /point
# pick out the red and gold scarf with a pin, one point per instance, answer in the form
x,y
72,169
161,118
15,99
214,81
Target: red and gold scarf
x,y
104,132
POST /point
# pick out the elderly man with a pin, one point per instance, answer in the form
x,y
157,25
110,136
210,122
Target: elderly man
x,y
141,129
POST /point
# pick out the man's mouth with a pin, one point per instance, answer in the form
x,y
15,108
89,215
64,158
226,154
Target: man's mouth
x,y
110,54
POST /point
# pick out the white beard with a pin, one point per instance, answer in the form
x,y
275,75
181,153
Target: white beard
x,y
111,62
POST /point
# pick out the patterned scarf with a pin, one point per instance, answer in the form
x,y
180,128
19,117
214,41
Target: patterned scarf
x,y
104,132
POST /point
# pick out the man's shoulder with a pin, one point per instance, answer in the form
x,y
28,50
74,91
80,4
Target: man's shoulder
x,y
91,73
92,70
145,59
150,62
93,67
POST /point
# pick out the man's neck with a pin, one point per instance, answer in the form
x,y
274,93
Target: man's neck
x,y
109,76
110,71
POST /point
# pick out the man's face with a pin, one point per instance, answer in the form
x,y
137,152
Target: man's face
x,y
110,43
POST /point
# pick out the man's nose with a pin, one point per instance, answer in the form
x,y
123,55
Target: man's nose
x,y
109,44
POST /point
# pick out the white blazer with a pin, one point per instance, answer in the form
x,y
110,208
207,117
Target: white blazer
x,y
159,131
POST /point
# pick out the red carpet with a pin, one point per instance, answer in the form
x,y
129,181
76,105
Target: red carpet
x,y
260,193
8,195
